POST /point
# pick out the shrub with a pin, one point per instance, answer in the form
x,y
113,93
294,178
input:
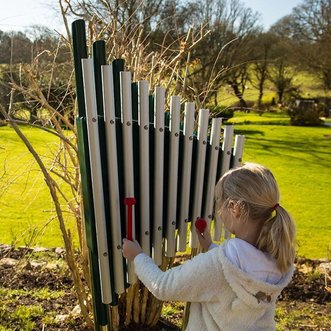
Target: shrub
x,y
305,113
222,111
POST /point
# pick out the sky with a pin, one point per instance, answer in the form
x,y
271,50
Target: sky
x,y
271,11
20,14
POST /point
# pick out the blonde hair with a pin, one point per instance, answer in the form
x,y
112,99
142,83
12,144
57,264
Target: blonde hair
x,y
255,189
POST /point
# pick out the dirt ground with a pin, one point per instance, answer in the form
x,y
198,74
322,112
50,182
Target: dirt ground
x,y
36,293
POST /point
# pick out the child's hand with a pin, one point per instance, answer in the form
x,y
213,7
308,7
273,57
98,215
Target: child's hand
x,y
204,238
131,249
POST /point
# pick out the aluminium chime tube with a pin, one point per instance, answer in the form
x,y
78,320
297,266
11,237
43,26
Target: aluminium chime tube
x,y
185,180
238,150
96,173
143,121
200,171
158,174
226,159
126,119
110,128
173,175
214,142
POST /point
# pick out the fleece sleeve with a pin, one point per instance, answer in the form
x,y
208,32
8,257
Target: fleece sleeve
x,y
194,281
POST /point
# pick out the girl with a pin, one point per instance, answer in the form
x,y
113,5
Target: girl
x,y
233,286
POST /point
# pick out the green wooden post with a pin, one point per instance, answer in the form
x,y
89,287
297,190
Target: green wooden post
x,y
80,51
118,66
136,156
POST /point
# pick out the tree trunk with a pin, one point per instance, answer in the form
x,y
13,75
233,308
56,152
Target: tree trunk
x,y
261,87
239,95
2,117
280,95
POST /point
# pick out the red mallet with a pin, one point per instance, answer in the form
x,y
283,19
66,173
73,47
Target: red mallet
x,y
129,202
201,225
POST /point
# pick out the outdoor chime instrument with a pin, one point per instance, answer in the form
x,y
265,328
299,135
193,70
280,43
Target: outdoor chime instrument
x,y
146,173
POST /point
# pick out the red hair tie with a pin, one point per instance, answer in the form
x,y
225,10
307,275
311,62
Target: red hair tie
x,y
275,206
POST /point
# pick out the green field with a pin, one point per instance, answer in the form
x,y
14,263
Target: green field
x,y
299,157
27,213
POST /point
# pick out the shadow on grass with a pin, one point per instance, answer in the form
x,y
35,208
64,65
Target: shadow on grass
x,y
249,132
293,149
263,122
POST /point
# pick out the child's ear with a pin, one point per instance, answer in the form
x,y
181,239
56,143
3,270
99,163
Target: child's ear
x,y
235,209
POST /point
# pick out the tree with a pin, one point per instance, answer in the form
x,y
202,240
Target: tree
x,y
309,27
262,45
282,78
224,55
42,47
10,99
15,47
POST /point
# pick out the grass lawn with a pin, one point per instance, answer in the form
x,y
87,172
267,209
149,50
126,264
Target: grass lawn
x,y
27,214
300,159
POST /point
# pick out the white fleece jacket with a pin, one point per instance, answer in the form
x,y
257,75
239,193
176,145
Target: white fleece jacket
x,y
222,296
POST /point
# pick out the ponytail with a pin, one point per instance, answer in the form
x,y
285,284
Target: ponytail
x,y
277,238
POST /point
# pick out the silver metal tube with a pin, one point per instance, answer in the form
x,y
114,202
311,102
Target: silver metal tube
x,y
199,174
238,150
126,118
143,120
158,174
110,126
173,175
212,169
185,184
97,188
226,158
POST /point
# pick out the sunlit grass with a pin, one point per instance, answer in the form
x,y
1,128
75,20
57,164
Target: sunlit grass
x,y
22,318
256,118
26,208
36,294
295,316
173,311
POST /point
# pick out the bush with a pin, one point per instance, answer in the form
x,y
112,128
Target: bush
x,y
305,113
222,111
